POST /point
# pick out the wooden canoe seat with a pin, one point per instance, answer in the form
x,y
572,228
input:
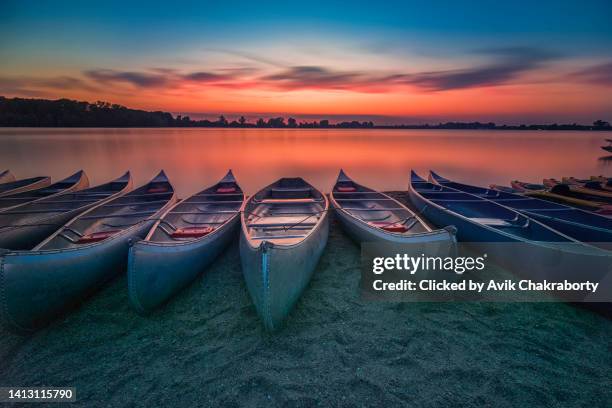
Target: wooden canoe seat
x,y
192,232
96,236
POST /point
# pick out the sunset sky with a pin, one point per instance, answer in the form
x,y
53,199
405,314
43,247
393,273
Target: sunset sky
x,y
391,62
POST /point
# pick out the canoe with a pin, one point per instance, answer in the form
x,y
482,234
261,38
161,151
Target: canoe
x,y
581,192
599,185
531,190
284,231
550,182
523,186
25,226
75,261
368,215
6,176
78,181
581,225
183,243
545,253
19,186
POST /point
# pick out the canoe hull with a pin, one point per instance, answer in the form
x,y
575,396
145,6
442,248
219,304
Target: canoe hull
x,y
276,276
36,286
157,271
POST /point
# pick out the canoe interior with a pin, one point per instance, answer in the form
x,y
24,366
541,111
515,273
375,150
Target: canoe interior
x,y
535,205
284,213
32,195
484,212
375,208
212,207
114,216
31,213
5,187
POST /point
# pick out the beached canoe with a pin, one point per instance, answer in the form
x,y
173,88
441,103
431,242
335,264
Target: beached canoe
x,y
581,225
183,243
25,226
600,184
523,186
544,253
19,186
78,181
371,216
532,190
75,261
582,193
6,176
284,231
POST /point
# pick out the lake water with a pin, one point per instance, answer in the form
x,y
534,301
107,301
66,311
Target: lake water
x,y
207,347
194,158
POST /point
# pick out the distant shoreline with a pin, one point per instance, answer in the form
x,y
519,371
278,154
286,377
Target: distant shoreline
x,y
66,113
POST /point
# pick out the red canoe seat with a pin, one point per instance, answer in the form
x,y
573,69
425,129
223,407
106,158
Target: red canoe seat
x,y
348,189
192,232
96,236
225,190
389,227
157,190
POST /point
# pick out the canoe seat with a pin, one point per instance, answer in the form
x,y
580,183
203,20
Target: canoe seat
x,y
493,222
347,189
96,236
157,190
192,232
397,227
288,201
226,190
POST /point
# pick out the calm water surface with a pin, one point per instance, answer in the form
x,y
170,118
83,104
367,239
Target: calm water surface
x,y
194,158
207,347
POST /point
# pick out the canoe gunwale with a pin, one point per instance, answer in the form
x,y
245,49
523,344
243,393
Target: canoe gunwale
x,y
44,182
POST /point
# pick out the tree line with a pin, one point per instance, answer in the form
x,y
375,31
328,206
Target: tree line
x,y
21,112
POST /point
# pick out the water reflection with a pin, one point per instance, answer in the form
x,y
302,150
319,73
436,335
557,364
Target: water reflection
x,y
194,158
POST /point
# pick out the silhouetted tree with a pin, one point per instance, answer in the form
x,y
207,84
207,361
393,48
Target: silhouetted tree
x,y
601,124
261,123
291,122
242,121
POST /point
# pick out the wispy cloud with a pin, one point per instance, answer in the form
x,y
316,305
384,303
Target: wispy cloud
x,y
501,66
507,65
598,74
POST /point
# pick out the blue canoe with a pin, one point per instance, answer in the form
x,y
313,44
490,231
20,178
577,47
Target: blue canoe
x,y
581,225
284,231
76,182
479,220
371,216
24,226
183,243
91,249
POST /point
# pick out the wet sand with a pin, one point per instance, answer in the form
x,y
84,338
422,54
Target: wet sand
x,y
206,347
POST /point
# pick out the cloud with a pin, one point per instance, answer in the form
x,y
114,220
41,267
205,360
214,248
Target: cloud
x,y
510,63
302,77
140,79
598,74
